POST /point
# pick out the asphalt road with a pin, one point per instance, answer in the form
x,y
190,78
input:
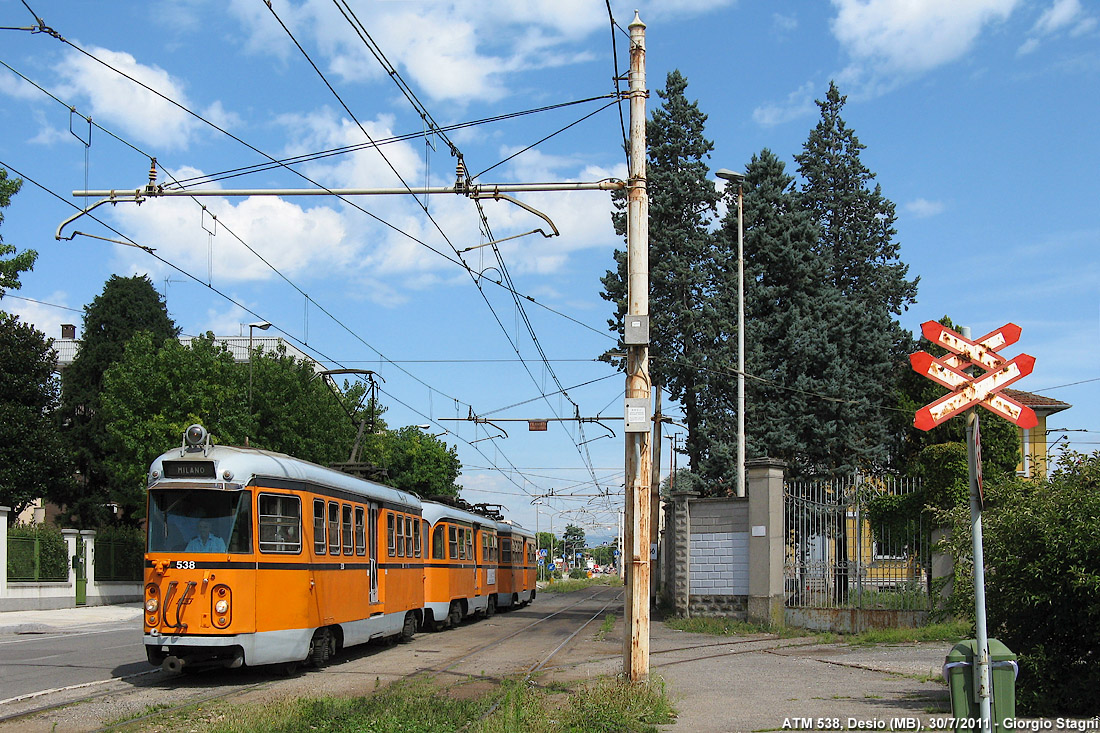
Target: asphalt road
x,y
35,657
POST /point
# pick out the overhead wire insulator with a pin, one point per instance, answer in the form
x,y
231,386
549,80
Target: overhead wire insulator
x,y
152,187
461,176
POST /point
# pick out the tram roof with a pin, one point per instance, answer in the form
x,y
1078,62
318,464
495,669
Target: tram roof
x,y
244,464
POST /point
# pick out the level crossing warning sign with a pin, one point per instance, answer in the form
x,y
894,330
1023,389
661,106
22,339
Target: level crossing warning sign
x,y
968,390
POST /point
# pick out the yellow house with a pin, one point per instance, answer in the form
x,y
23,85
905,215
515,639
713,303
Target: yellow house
x,y
1033,442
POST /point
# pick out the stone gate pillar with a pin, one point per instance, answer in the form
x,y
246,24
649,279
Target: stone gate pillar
x,y
681,551
766,540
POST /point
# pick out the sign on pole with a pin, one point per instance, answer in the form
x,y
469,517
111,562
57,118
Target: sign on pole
x,y
967,390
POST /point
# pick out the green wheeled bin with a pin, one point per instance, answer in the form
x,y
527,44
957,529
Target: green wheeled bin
x,y
959,672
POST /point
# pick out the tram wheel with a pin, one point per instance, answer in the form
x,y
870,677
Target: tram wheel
x,y
320,647
408,630
455,616
491,607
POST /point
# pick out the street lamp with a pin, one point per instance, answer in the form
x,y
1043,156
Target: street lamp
x,y
739,179
263,327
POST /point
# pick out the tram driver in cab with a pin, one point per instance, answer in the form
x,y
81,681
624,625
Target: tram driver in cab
x,y
205,541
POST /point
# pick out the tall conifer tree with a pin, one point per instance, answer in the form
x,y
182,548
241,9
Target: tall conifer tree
x,y
791,312
682,204
126,305
856,224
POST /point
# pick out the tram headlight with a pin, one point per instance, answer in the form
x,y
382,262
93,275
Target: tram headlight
x,y
222,606
151,605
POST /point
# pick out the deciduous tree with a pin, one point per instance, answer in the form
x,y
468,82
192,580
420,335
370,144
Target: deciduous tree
x,y
10,267
33,462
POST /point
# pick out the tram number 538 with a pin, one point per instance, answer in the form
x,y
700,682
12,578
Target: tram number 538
x,y
184,564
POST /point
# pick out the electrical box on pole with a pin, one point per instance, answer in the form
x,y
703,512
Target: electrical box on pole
x,y
636,330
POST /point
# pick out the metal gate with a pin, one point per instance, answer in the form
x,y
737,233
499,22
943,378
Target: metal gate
x,y
856,543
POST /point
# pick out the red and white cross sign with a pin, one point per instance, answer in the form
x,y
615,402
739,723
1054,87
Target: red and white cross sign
x,y
968,390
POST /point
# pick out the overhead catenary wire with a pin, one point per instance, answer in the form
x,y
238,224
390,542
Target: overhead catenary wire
x,y
376,51
306,347
262,259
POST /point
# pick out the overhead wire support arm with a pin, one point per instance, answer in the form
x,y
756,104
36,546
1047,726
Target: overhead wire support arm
x,y
477,190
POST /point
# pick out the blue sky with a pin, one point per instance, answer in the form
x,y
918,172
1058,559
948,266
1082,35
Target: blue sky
x,y
978,117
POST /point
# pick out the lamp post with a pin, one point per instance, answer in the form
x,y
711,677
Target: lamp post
x,y
739,179
538,546
263,327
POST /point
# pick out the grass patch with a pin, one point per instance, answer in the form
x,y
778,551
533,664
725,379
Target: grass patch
x,y
722,626
947,632
606,626
568,586
421,706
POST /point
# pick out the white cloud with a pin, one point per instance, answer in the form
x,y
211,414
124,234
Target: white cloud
x,y
295,239
1062,14
43,314
1027,47
1058,16
784,23
923,208
902,36
125,105
799,103
459,52
13,86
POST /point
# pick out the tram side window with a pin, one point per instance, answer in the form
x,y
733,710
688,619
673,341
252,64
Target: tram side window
x,y
360,532
506,551
453,541
416,533
469,544
346,529
280,523
391,538
409,537
484,547
400,536
437,542
333,528
319,526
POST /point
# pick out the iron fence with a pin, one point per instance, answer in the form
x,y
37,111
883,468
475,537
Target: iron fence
x,y
119,559
858,542
37,559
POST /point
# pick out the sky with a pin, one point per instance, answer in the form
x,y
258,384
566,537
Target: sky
x,y
978,120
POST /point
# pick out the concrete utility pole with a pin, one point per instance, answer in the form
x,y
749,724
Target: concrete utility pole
x,y
638,401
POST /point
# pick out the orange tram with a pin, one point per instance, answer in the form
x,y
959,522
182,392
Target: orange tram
x,y
257,558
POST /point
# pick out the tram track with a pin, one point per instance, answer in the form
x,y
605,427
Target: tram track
x,y
156,688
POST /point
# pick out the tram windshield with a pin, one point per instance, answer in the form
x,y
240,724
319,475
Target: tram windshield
x,y
200,520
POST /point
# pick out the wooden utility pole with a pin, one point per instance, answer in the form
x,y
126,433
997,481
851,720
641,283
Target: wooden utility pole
x,y
638,400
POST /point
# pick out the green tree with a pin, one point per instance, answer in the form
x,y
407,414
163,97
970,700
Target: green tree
x,y
33,461
11,267
856,226
1042,554
416,461
154,392
684,325
572,542
294,412
792,314
126,306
